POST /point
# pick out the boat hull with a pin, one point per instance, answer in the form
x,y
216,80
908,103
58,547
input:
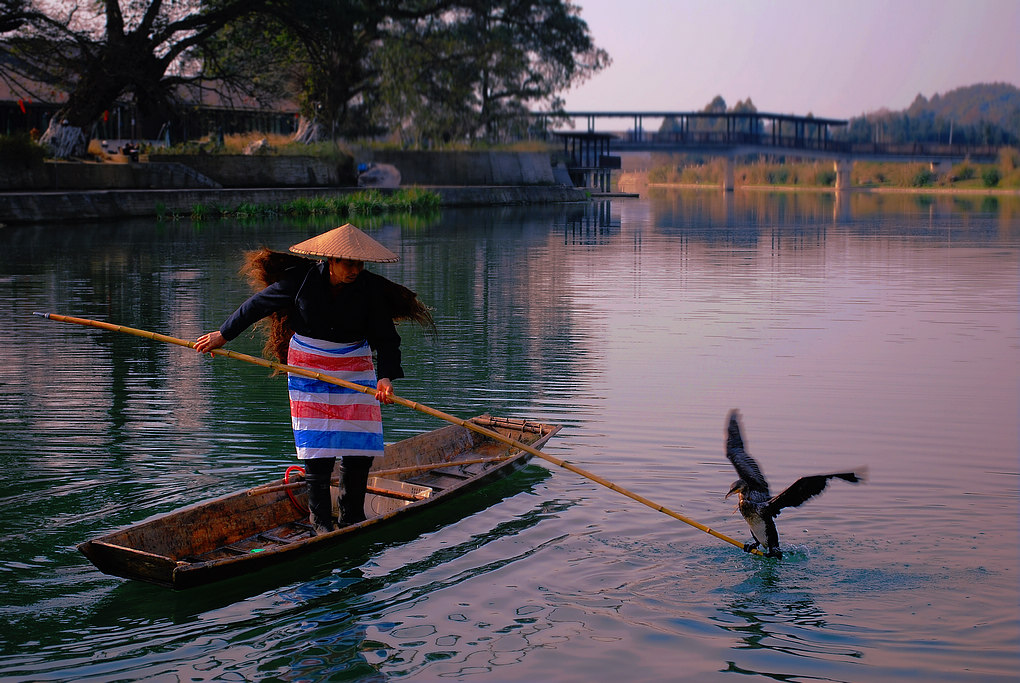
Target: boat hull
x,y
243,532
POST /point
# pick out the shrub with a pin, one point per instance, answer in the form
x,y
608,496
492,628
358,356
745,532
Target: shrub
x,y
320,205
965,172
253,210
827,178
991,176
366,202
924,178
712,172
659,174
19,150
414,199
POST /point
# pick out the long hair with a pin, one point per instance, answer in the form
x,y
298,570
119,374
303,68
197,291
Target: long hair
x,y
264,266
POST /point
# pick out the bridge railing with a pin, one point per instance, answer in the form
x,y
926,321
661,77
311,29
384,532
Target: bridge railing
x,y
734,132
734,139
678,140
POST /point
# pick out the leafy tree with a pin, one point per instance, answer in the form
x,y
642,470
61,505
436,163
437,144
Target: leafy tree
x,y
328,50
744,107
338,41
12,15
749,125
98,52
716,106
711,124
669,125
433,66
476,68
983,114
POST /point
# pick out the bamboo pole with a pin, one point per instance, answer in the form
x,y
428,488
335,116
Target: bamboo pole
x,y
386,493
414,405
437,466
384,473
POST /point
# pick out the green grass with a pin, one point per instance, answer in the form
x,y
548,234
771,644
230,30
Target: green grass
x,y
363,203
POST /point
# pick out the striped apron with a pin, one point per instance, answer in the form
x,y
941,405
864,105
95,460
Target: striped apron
x,y
331,421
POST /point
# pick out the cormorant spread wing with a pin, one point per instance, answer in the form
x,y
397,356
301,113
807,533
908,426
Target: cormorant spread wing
x,y
747,468
806,488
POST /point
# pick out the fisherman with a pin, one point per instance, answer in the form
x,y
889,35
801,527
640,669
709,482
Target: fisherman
x,y
757,506
330,315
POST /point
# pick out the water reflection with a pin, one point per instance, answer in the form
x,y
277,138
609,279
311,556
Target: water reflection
x,y
336,618
775,612
851,329
590,224
854,211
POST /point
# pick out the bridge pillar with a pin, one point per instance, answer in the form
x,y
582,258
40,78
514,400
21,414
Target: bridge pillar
x,y
843,168
841,208
728,173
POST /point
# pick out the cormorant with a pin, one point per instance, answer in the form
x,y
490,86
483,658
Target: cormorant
x,y
756,504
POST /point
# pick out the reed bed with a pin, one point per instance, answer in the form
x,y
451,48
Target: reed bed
x,y
363,203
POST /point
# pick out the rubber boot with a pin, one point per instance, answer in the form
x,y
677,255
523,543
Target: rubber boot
x,y
318,472
353,482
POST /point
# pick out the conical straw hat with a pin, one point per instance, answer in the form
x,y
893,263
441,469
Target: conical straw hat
x,y
345,242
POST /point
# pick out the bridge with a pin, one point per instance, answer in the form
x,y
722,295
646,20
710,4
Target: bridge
x,y
733,135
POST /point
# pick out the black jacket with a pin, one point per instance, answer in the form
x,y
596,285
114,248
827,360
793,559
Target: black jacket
x,y
354,312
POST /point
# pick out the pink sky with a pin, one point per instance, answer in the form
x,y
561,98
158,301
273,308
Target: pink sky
x,y
832,59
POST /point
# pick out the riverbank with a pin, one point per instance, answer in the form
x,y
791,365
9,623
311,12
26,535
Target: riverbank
x,y
93,205
1009,192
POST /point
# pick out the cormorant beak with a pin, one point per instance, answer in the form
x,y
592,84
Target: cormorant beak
x,y
737,485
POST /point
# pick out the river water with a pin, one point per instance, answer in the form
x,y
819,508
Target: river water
x,y
867,330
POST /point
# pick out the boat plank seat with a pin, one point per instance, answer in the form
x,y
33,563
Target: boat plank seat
x,y
389,493
273,538
427,481
461,474
438,482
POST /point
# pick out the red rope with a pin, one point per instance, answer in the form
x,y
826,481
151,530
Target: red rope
x,y
290,493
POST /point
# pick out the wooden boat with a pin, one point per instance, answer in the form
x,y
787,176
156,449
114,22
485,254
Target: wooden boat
x,y
242,532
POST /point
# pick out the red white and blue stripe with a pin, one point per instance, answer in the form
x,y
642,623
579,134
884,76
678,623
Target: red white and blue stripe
x,y
331,421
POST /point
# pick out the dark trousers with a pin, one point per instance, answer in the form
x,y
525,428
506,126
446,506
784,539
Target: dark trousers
x,y
353,482
318,472
353,485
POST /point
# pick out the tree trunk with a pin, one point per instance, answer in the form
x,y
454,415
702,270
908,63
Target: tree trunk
x,y
68,132
309,131
63,140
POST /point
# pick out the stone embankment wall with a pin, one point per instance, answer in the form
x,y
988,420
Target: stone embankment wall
x,y
181,171
90,191
76,176
469,168
267,171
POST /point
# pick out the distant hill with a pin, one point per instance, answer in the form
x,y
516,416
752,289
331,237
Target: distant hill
x,y
997,103
985,113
